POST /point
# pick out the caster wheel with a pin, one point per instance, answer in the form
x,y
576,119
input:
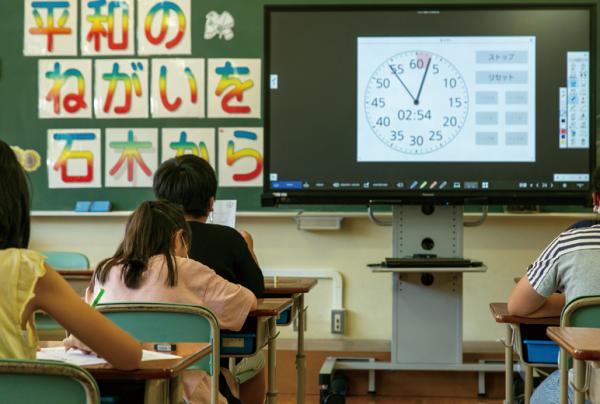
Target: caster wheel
x,y
339,384
334,398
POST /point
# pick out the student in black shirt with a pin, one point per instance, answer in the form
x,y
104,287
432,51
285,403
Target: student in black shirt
x,y
191,182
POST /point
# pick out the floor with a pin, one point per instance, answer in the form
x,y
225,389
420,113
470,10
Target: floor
x,y
313,399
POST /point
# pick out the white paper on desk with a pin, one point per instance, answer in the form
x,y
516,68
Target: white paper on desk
x,y
73,356
224,212
77,357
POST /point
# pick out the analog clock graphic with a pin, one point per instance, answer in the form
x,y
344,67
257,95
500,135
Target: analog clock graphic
x,y
416,102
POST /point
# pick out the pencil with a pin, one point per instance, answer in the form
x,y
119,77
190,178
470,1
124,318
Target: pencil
x,y
98,296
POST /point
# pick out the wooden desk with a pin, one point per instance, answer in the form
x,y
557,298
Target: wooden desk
x,y
583,344
163,377
190,353
513,324
288,286
294,288
271,307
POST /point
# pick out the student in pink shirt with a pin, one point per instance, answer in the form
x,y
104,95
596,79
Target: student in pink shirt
x,y
151,265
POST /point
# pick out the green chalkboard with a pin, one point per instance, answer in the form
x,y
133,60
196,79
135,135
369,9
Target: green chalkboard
x,y
21,126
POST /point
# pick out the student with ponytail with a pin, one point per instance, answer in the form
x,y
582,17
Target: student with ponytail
x,y
151,265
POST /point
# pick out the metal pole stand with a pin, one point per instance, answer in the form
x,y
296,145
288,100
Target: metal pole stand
x,y
427,302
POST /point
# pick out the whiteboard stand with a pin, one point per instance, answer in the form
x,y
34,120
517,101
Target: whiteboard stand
x,y
427,302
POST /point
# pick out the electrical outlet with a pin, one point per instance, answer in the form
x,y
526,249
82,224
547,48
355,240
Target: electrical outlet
x,y
337,321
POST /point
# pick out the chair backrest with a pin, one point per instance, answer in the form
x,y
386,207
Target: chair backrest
x,y
33,381
581,312
66,260
166,322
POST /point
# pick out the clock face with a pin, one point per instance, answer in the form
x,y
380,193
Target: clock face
x,y
416,102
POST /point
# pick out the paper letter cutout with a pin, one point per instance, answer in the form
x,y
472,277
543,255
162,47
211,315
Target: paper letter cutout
x,y
65,88
121,88
240,157
233,88
164,27
50,28
197,141
131,157
177,88
74,159
107,27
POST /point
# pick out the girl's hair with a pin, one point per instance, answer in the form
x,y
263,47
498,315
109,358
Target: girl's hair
x,y
149,231
14,201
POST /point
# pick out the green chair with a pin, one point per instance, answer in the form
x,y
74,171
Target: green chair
x,y
66,260
581,312
166,322
48,382
48,329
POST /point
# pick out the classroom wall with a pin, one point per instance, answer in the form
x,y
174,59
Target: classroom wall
x,y
505,243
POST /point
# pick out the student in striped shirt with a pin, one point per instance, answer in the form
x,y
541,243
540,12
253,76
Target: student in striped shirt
x,y
570,264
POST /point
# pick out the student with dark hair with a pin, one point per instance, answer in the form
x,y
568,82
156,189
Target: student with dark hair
x,y
191,182
29,284
151,265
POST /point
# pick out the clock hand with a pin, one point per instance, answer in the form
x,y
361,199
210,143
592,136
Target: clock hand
x,y
401,82
422,82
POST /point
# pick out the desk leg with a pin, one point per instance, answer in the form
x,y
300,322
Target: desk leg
x,y
508,363
156,392
579,382
300,376
272,388
176,390
564,376
528,382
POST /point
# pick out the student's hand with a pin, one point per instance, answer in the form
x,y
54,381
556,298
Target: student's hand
x,y
249,242
73,343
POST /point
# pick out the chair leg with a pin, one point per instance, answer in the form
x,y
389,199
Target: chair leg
x,y
528,383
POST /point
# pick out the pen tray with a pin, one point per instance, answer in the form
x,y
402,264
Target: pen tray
x,y
233,343
540,351
535,346
285,318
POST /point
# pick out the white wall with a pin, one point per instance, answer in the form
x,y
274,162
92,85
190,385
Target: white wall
x,y
505,243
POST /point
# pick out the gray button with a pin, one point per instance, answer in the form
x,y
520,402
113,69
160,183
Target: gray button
x,y
501,77
516,118
486,118
516,97
486,97
486,138
516,138
501,57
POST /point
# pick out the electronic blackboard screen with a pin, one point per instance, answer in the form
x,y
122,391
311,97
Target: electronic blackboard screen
x,y
449,104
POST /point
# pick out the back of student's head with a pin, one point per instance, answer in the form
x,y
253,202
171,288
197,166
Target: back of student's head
x,y
151,230
14,201
188,181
